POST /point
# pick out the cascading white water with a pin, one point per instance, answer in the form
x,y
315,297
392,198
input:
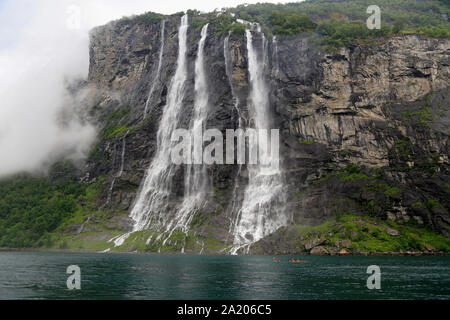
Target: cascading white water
x,y
254,25
152,201
158,71
196,177
263,208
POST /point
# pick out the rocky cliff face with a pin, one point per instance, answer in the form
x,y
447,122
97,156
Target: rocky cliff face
x,y
364,130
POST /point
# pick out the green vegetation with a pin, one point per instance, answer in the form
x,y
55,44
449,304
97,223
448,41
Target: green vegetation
x,y
390,191
95,153
115,131
409,14
403,148
35,210
31,207
352,173
237,29
114,128
84,241
148,17
146,241
337,23
436,32
199,219
290,23
343,33
222,24
366,235
342,23
423,116
373,193
118,114
51,212
371,235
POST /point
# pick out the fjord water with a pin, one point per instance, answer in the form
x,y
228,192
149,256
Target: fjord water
x,y
42,275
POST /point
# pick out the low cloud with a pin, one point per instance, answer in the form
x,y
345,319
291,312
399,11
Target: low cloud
x,y
36,67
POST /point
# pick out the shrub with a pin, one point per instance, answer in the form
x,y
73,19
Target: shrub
x,y
291,23
32,207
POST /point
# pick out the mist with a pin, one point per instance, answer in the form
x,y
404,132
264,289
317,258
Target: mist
x,y
44,48
38,59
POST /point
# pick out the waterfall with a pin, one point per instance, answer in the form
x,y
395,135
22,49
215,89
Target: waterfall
x,y
120,172
118,175
275,56
122,155
234,205
152,202
158,71
253,25
196,177
263,207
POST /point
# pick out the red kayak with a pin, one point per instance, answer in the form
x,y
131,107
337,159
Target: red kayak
x,y
292,260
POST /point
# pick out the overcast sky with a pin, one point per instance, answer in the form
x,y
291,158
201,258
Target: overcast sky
x,y
42,45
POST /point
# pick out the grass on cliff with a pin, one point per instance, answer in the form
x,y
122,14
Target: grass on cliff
x,y
362,234
115,127
176,241
371,235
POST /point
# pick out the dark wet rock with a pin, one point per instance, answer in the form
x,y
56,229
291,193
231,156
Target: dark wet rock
x,y
314,243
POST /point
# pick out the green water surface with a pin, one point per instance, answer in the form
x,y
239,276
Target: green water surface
x,y
42,275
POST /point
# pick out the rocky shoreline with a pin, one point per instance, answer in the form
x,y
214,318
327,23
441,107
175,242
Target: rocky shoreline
x,y
346,253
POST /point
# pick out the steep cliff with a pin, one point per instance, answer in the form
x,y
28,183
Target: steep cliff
x,y
363,131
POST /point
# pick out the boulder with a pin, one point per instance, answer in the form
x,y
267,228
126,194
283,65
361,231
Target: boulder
x,y
319,251
313,243
392,232
344,243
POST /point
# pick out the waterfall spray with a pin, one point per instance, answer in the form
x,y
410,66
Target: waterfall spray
x,y
263,208
196,178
